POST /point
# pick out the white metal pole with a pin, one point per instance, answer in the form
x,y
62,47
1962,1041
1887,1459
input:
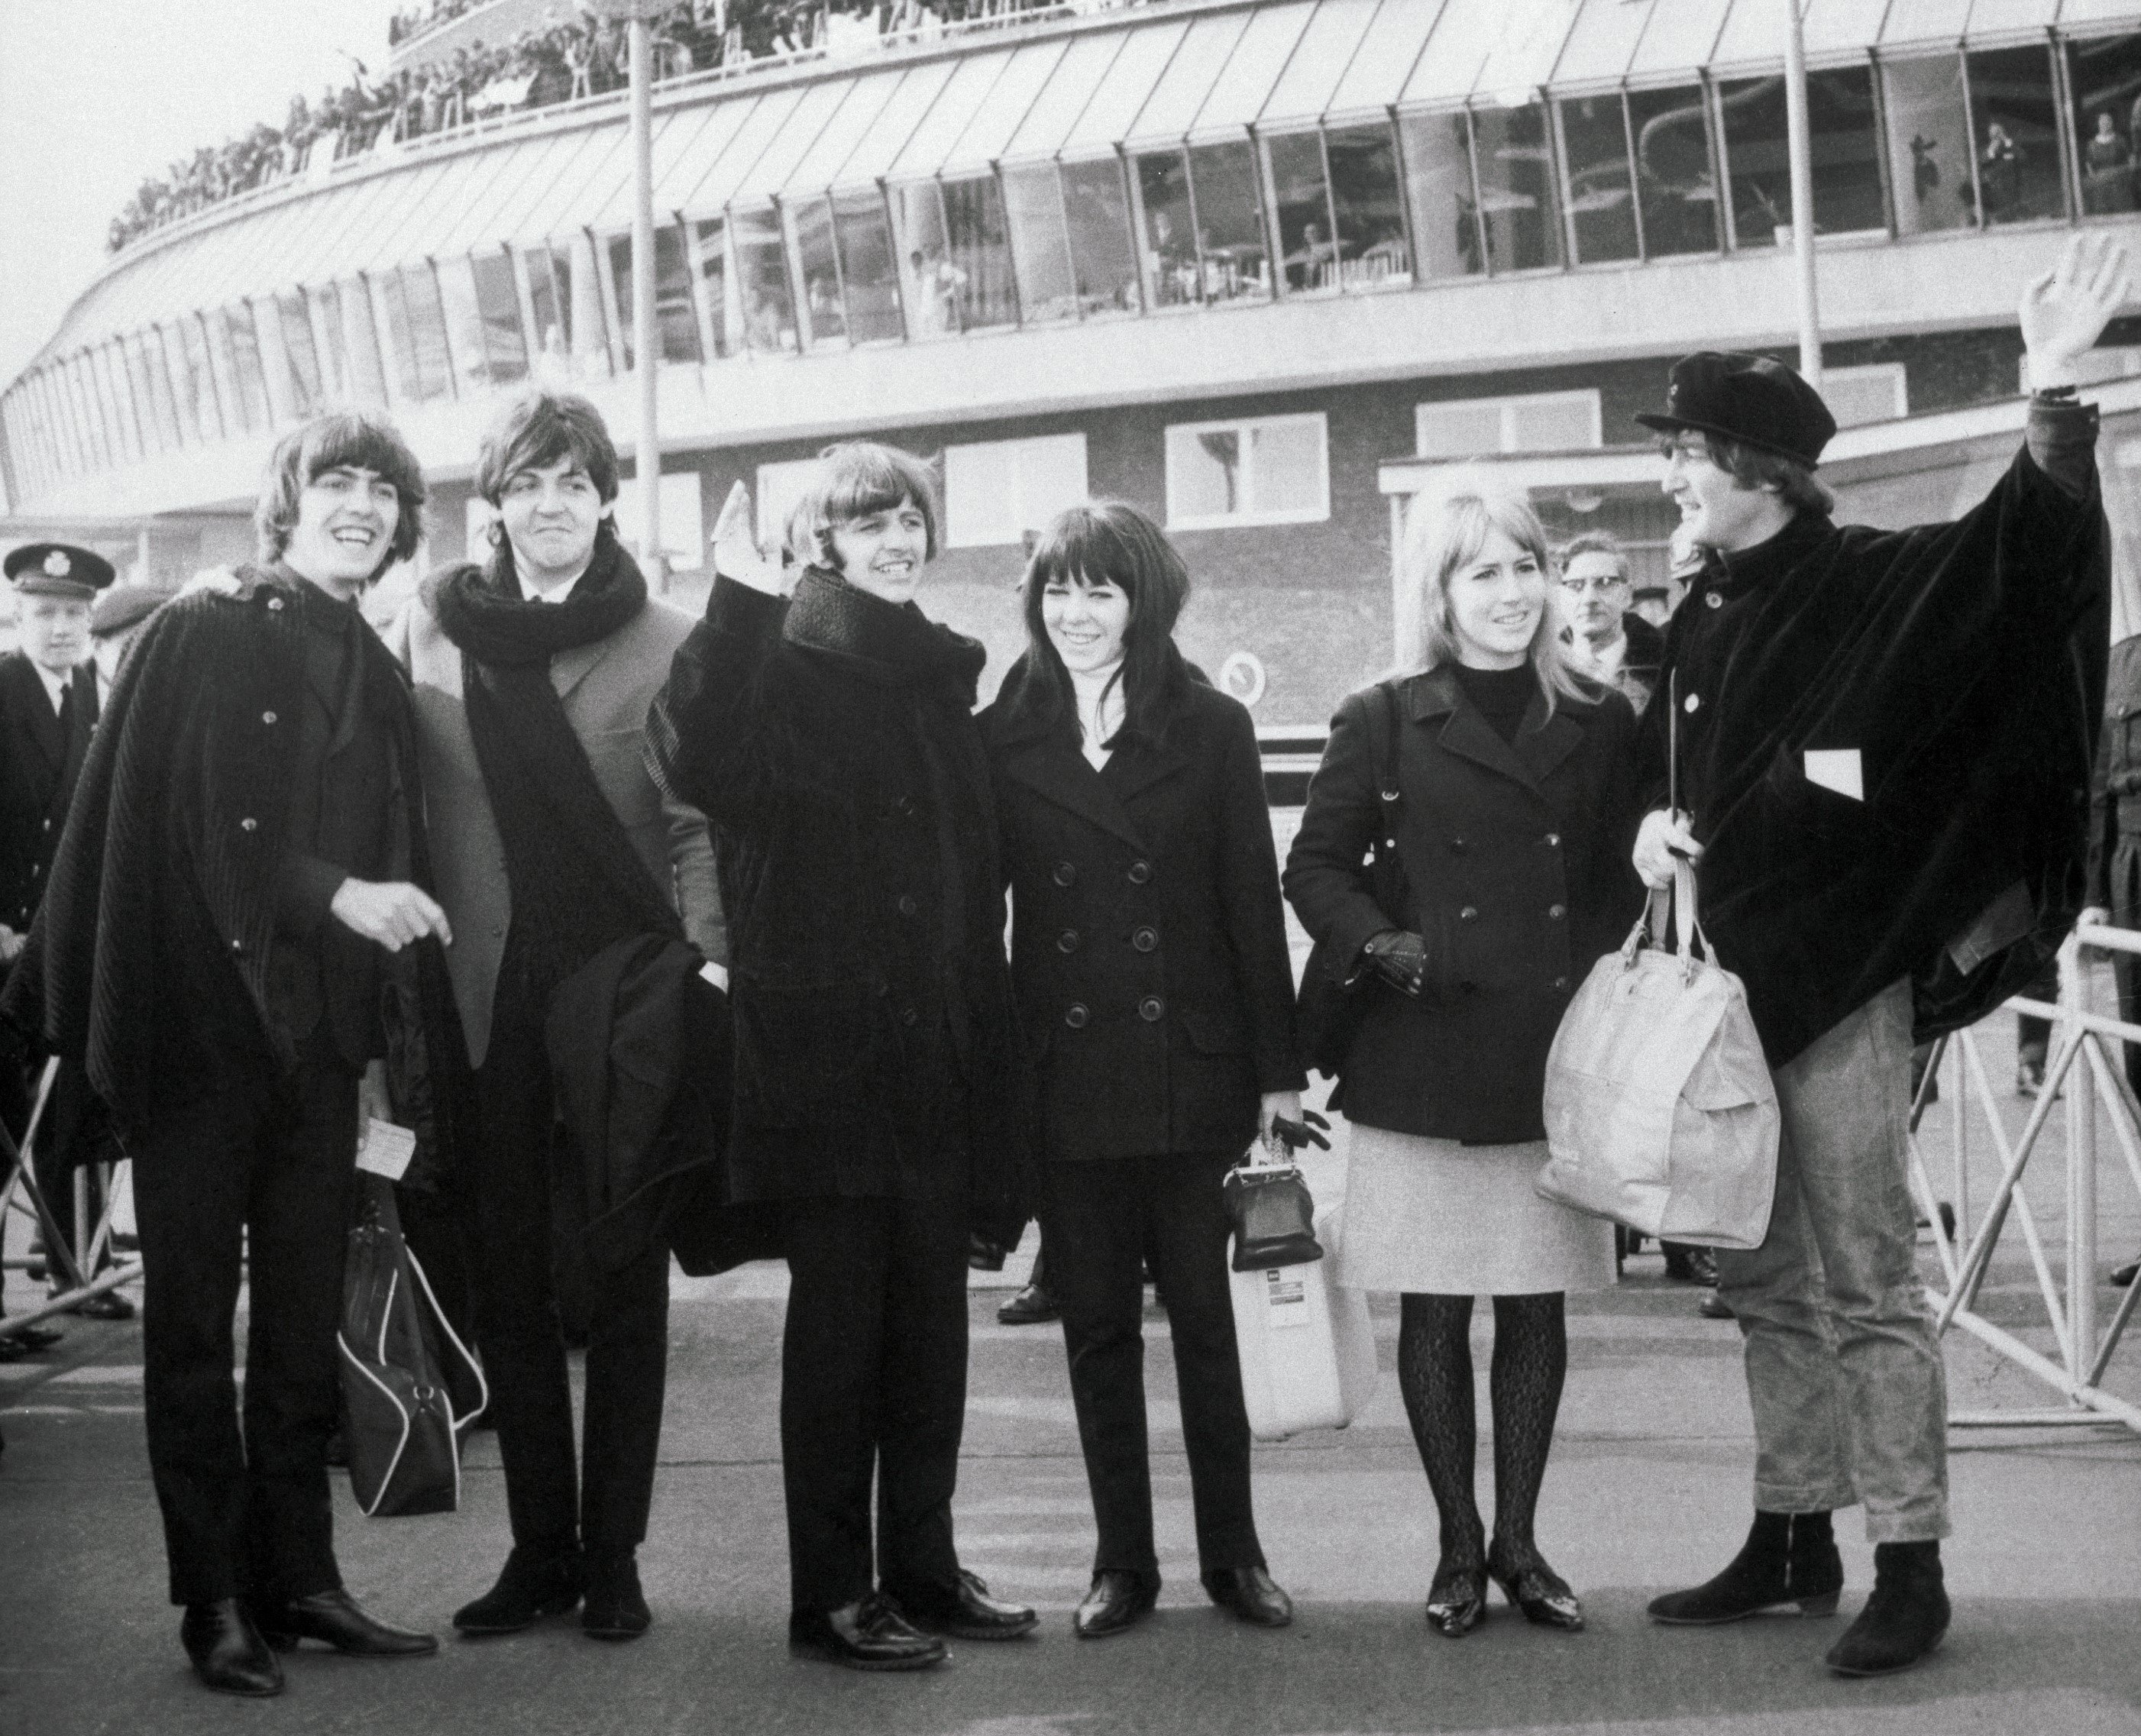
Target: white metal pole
x,y
2081,1174
1801,158
646,358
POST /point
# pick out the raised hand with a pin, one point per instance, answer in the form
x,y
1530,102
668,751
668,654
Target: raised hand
x,y
736,553
2064,311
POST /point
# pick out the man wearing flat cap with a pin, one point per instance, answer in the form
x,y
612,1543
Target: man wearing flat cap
x,y
48,708
1884,741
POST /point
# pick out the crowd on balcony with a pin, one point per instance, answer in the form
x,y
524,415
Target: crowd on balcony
x,y
574,57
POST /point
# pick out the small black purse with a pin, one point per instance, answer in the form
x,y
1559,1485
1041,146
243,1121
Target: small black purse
x,y
1327,1010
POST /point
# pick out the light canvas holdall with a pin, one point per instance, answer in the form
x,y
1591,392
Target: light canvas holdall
x,y
1661,1114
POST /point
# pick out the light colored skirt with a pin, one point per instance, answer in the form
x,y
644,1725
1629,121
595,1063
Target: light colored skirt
x,y
1434,1217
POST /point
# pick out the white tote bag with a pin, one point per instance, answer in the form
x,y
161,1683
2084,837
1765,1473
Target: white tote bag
x,y
1661,1114
1308,1350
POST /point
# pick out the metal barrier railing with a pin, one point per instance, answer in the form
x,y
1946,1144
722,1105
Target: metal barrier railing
x,y
74,1261
2080,1078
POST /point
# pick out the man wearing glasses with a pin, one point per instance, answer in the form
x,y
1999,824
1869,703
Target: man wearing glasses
x,y
1612,643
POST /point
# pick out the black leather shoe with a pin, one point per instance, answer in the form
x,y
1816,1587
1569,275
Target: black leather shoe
x,y
227,1650
616,1608
870,1633
1905,1615
338,1620
1032,1307
1457,1599
1533,1587
1248,1593
533,1584
29,1340
966,1612
1118,1601
1788,1558
1714,1307
111,1306
2124,1276
1687,1264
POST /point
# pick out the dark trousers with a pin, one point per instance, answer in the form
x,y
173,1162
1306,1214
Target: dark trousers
x,y
72,1140
1100,1218
872,1383
508,1205
264,1167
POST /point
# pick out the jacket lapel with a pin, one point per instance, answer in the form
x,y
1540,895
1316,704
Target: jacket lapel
x,y
35,705
569,668
1054,770
1137,766
1542,743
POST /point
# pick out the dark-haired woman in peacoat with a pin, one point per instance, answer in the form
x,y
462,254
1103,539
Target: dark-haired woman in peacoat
x,y
1148,959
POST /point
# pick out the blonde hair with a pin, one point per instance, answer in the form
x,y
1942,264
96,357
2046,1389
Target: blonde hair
x,y
1449,524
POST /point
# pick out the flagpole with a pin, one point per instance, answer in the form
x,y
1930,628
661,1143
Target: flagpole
x,y
1799,142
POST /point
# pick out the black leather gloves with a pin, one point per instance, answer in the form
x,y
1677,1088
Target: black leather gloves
x,y
1399,959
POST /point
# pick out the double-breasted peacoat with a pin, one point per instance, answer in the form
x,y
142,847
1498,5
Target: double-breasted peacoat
x,y
1148,951
1516,875
40,759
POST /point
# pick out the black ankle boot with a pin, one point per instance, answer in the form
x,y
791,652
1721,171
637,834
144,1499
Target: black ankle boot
x,y
535,1583
1787,1558
615,1607
1905,1615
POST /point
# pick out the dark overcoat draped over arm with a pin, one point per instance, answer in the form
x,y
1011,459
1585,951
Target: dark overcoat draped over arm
x,y
1516,876
1148,950
150,959
832,745
1954,675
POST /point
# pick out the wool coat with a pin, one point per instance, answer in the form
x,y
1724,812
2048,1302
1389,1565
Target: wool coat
x,y
1516,876
606,688
40,760
831,742
153,947
1885,740
1148,950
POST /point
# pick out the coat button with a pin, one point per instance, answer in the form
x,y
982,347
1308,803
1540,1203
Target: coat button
x,y
497,930
1468,914
1151,1009
1691,704
1561,982
237,946
907,906
1713,599
1065,873
908,1015
267,717
1557,912
249,824
1554,840
275,605
1145,939
1140,873
1077,1016
1457,846
1067,942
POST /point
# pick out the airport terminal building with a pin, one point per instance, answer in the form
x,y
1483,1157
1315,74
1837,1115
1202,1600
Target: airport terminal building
x,y
1256,265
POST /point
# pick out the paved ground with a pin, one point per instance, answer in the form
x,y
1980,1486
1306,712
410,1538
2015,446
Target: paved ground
x,y
1648,1490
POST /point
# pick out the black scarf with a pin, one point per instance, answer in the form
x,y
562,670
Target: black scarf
x,y
576,882
890,642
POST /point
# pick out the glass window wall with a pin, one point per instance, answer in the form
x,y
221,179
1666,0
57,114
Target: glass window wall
x,y
769,309
1233,254
1928,127
245,364
818,270
223,359
676,322
1166,232
868,272
323,308
162,400
498,302
1041,246
2104,77
933,286
456,282
1096,212
304,359
1518,205
199,382
88,409
1675,171
1301,196
430,372
154,438
118,398
360,337
1848,194
978,243
1445,216
1601,186
720,312
2018,176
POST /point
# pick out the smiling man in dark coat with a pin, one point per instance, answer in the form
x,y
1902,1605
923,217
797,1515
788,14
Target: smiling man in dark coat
x,y
240,858
1884,742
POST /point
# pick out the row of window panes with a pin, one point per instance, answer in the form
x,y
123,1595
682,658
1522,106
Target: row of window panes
x,y
1915,146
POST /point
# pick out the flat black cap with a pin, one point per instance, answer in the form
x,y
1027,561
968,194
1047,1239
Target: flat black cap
x,y
58,569
1747,398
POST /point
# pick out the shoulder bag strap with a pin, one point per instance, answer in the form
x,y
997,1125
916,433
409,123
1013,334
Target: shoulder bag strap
x,y
1386,872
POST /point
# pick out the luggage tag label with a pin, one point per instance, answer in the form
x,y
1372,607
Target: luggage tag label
x,y
1836,769
1286,1295
387,1149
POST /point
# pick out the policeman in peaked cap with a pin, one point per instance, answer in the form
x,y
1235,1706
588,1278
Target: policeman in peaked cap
x,y
48,708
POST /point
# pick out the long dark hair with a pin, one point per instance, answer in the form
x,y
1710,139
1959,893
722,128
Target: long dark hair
x,y
1112,540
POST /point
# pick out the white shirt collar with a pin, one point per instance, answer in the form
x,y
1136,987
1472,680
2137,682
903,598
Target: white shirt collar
x,y
532,592
56,686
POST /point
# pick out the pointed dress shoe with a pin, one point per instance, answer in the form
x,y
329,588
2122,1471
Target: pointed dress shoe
x,y
1538,1591
1905,1615
1117,1602
110,1305
227,1650
1249,1595
1788,1558
336,1618
968,1612
870,1634
615,1607
534,1583
1032,1307
1457,1599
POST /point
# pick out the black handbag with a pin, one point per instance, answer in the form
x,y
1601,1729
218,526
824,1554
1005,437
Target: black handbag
x,y
1328,1009
1273,1216
401,1367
